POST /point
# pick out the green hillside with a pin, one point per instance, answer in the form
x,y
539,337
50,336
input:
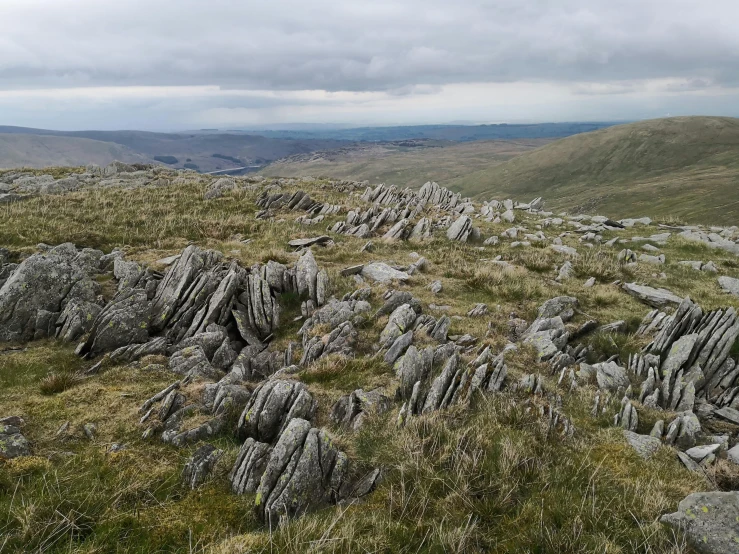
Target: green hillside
x,y
684,167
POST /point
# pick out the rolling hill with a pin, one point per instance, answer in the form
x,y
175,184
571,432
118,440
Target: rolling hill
x,y
684,167
204,152
404,164
19,150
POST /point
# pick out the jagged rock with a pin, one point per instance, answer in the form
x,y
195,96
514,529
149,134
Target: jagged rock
x,y
409,371
683,431
628,418
400,321
46,283
249,467
441,329
565,272
421,231
729,414
614,327
394,299
304,472
351,410
340,341
699,453
733,454
645,445
190,436
200,465
383,273
399,346
181,284
710,521
12,442
124,321
562,306
478,310
460,230
192,361
272,406
133,352
611,376
435,287
76,319
209,341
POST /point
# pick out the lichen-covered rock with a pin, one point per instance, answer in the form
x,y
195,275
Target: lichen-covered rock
x,y
305,472
12,442
192,361
200,465
124,321
272,406
249,467
400,322
43,282
645,445
133,352
562,306
340,341
710,521
76,319
351,410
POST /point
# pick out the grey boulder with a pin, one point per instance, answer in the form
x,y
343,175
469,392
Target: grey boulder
x,y
710,521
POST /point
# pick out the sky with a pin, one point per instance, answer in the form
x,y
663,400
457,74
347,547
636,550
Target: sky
x,y
189,64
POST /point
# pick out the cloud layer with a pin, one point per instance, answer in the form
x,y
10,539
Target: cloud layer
x,y
264,58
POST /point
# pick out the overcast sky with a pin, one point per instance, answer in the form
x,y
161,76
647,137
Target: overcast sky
x,y
183,64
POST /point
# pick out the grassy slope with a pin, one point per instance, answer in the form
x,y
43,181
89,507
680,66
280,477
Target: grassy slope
x,y
409,166
685,167
17,150
485,480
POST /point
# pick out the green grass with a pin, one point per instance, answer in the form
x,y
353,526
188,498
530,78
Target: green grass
x,y
485,480
675,169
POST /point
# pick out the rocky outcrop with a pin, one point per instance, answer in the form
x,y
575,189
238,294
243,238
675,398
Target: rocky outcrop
x,y
304,472
273,404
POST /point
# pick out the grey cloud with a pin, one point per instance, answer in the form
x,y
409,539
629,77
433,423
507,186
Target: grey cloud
x,y
393,46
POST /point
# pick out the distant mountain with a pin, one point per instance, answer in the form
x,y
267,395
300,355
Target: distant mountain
x,y
18,150
686,167
202,151
457,133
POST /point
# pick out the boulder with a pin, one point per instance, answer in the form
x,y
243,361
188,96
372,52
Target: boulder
x,y
710,521
12,442
124,321
645,445
43,282
562,306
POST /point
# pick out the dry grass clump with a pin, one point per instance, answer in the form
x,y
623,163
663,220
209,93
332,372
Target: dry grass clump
x,y
55,382
600,263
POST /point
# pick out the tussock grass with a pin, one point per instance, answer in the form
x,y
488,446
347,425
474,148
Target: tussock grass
x,y
486,480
